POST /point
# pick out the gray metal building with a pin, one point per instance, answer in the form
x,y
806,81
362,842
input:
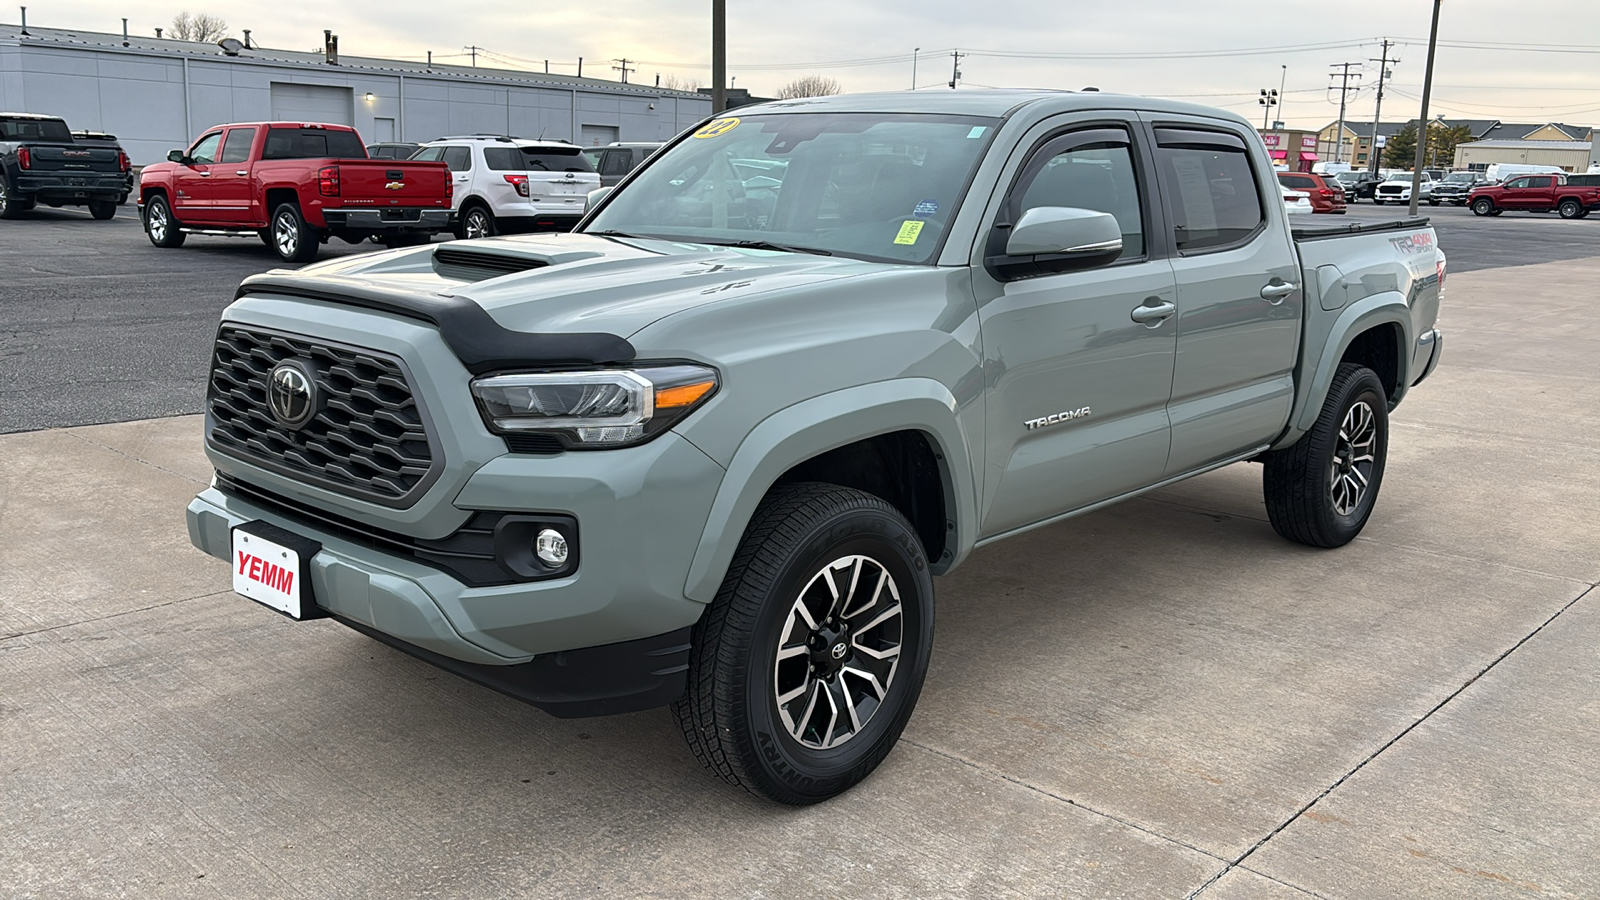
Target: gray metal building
x,y
156,95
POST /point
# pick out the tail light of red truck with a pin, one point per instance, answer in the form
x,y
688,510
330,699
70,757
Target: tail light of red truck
x,y
328,181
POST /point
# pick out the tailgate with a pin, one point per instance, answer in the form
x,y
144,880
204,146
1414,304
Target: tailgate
x,y
67,158
390,182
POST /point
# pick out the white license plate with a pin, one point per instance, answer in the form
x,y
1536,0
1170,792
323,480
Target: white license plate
x,y
568,188
268,573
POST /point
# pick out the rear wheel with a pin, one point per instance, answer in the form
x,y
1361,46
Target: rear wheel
x,y
160,225
102,209
292,239
1570,209
1483,206
476,222
10,207
808,663
1321,490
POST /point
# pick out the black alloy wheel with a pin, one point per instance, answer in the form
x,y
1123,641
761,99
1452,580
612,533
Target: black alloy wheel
x,y
1320,491
1483,206
808,664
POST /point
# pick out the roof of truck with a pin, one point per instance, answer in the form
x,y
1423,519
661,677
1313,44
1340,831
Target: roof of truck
x,y
977,103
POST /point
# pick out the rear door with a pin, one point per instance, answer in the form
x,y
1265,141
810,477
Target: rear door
x,y
194,198
230,179
1239,307
558,176
1542,192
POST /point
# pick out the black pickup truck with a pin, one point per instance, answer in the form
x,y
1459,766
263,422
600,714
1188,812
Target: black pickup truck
x,y
40,162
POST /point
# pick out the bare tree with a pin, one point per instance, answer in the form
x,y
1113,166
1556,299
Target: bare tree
x,y
810,86
201,27
681,83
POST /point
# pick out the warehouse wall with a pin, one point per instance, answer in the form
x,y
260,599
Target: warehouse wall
x,y
140,96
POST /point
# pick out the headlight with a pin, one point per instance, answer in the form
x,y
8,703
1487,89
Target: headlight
x,y
594,409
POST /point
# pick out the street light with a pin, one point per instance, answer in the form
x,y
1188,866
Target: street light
x,y
1422,120
914,52
1268,100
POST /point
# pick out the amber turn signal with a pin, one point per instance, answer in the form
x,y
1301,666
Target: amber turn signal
x,y
683,394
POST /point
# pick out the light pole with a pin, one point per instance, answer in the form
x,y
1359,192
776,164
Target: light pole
x,y
1268,100
719,55
914,52
1422,120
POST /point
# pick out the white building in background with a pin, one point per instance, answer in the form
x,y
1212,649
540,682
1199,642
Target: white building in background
x,y
156,95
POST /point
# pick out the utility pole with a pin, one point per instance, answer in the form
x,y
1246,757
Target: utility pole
x,y
914,52
955,67
1422,120
1377,114
1344,88
623,68
474,51
719,56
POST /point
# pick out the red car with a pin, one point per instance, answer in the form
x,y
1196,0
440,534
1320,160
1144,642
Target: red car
x,y
1327,195
1535,193
295,185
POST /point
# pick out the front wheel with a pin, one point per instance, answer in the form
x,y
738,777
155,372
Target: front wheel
x,y
808,663
1376,202
1483,206
1321,490
1433,203
160,225
292,239
102,209
1570,209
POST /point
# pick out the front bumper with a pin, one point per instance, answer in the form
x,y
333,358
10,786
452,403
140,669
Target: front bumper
x,y
388,221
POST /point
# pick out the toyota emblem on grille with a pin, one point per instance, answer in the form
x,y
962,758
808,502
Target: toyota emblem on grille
x,y
291,394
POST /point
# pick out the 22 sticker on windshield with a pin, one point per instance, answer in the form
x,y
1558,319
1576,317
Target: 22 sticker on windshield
x,y
717,128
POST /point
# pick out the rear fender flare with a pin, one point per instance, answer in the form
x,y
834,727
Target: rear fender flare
x,y
823,423
1388,307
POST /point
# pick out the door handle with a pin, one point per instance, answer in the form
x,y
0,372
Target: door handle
x,y
1277,290
242,172
205,174
1152,311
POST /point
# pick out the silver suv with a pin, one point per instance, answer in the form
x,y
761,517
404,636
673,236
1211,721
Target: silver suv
x,y
506,184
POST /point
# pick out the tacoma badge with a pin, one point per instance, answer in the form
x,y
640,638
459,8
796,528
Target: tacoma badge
x,y
1058,418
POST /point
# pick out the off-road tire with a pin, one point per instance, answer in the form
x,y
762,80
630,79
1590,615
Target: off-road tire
x,y
1570,209
1300,481
292,239
161,225
730,714
102,209
1483,206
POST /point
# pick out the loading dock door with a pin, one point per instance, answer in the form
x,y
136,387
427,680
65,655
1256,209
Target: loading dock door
x,y
312,103
597,135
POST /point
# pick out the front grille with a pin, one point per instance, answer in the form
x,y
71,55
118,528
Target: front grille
x,y
367,438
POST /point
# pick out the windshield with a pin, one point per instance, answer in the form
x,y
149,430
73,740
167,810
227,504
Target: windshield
x,y
1460,177
1403,176
871,186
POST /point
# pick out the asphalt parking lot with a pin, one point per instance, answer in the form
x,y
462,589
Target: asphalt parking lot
x,y
1158,700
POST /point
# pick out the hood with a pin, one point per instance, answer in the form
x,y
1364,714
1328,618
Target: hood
x,y
566,283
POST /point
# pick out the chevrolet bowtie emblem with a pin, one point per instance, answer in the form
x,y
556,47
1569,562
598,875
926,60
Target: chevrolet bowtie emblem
x,y
394,186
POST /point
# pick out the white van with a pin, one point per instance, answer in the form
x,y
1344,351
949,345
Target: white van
x,y
1501,171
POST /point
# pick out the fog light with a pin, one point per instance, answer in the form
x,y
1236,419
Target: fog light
x,y
551,547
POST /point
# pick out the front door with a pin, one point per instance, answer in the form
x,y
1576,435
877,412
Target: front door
x,y
1078,363
1517,193
192,182
1239,302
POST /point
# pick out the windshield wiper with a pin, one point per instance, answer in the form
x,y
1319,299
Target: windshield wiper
x,y
768,245
621,234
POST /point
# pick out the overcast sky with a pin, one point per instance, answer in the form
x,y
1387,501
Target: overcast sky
x,y
1152,46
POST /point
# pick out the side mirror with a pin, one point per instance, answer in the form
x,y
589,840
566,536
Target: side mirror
x,y
176,156
595,196
1051,239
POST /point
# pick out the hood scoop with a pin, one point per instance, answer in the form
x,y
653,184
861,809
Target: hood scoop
x,y
465,263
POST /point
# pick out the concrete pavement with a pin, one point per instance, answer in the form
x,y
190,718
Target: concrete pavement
x,y
1159,700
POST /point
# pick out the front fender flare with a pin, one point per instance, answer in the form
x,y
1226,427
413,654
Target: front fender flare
x,y
824,423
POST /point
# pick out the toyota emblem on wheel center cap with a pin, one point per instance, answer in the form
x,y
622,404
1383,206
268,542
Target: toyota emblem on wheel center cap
x,y
291,393
840,649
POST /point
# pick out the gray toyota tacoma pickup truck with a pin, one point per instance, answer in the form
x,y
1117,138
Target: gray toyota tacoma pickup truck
x,y
709,450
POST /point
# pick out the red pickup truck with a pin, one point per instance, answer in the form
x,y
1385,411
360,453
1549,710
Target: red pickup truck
x,y
1535,193
293,184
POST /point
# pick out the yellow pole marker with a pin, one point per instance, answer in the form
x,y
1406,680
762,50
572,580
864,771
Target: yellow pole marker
x,y
718,128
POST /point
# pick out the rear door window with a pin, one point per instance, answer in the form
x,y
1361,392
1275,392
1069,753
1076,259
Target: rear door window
x,y
459,159
236,149
616,162
1210,188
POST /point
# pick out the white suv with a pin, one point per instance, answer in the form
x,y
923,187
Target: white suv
x,y
505,184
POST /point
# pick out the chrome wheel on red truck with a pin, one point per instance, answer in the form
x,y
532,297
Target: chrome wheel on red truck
x,y
292,239
159,224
